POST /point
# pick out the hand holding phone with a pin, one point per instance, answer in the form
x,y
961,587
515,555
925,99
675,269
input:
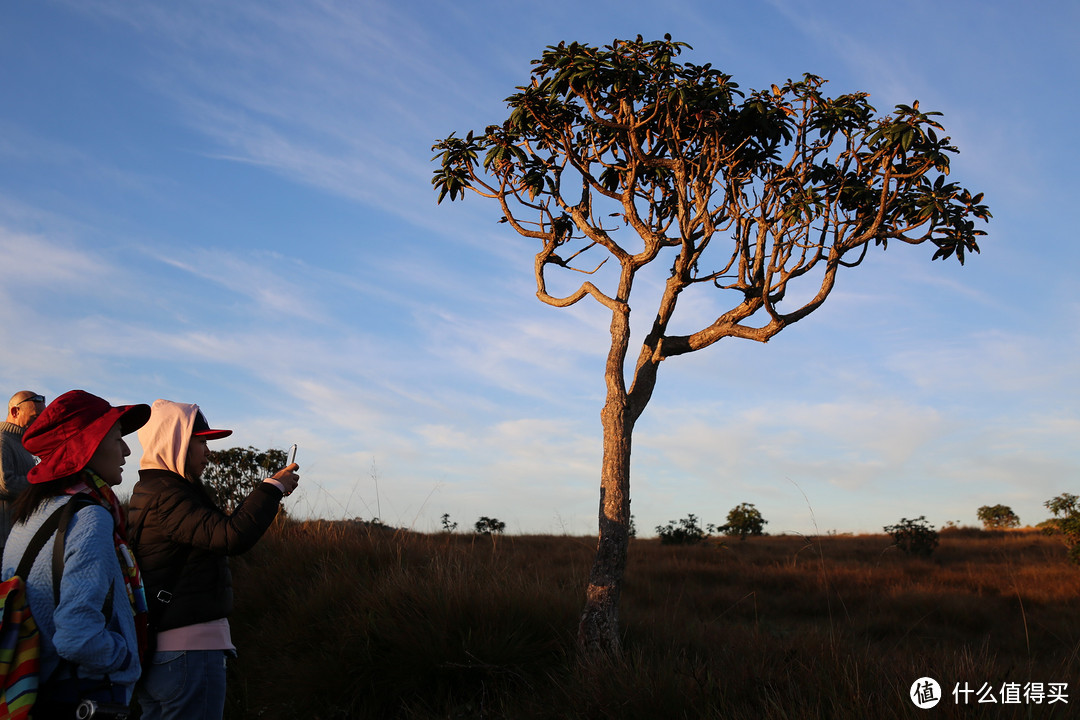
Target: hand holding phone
x,y
287,476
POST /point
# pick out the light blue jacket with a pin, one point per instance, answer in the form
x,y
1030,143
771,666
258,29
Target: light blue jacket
x,y
77,630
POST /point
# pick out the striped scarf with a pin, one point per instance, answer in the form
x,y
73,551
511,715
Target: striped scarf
x,y
98,489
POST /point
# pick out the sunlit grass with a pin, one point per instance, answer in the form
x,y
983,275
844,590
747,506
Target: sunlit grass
x,y
337,620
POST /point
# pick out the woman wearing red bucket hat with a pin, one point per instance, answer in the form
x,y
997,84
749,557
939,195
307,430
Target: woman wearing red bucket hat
x,y
93,629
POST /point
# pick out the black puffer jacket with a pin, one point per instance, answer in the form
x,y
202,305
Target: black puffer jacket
x,y
182,541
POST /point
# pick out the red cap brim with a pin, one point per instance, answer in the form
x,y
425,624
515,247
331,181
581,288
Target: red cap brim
x,y
213,434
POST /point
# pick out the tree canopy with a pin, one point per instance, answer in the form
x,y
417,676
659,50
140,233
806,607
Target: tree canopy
x,y
624,136
997,517
744,520
232,474
1066,522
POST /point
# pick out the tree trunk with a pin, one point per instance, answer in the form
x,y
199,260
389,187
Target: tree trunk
x,y
598,631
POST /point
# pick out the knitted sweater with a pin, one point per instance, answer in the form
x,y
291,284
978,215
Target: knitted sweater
x,y
76,629
15,460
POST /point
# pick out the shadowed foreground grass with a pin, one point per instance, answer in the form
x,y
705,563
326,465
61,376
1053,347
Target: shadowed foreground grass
x,y
334,620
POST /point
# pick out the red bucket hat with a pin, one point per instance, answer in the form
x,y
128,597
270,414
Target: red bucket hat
x,y
68,432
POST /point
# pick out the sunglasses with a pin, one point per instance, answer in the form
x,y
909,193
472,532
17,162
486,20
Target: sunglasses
x,y
33,399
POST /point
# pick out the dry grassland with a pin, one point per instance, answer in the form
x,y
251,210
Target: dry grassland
x,y
335,620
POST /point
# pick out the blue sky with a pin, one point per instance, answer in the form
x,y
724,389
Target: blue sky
x,y
230,204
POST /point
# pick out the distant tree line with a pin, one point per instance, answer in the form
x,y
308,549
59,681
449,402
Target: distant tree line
x,y
233,473
918,537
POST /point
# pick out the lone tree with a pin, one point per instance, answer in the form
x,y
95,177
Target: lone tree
x,y
997,517
744,520
489,526
626,153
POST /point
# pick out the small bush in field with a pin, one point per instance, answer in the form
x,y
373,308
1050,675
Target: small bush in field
x,y
914,537
447,526
688,532
1066,522
743,520
488,526
997,517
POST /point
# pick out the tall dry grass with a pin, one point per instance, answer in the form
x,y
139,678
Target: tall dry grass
x,y
337,620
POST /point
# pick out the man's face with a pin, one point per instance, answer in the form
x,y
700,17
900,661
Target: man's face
x,y
198,457
25,412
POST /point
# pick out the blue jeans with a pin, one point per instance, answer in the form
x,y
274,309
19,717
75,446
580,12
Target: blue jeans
x,y
183,685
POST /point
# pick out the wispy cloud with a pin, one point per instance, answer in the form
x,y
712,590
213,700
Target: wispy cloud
x,y
32,261
1008,363
848,444
266,278
346,98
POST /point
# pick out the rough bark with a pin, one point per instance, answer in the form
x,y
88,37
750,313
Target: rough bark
x,y
598,631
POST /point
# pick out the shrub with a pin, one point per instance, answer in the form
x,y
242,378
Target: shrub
x,y
914,537
1066,522
743,520
447,526
688,532
997,517
488,526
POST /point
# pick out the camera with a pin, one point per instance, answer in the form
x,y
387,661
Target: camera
x,y
101,711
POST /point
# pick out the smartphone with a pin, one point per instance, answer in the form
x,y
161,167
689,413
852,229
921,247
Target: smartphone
x,y
292,455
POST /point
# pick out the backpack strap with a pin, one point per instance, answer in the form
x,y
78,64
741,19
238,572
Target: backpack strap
x,y
38,542
72,506
57,523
